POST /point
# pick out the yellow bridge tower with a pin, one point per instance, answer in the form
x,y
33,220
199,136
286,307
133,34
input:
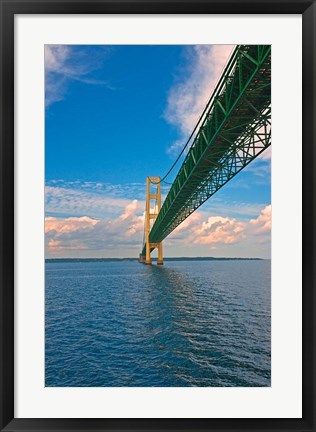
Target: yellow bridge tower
x,y
150,217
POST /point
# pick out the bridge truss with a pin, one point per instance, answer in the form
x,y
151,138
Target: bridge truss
x,y
235,130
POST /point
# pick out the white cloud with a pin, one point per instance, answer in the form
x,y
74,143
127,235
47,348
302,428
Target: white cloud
x,y
188,98
56,57
217,231
131,190
64,235
60,226
266,154
76,202
262,224
95,200
196,235
187,224
64,63
95,219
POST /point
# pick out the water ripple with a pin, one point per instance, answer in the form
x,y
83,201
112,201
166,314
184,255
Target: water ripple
x,y
199,323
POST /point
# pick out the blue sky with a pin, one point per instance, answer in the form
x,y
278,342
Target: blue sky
x,y
117,114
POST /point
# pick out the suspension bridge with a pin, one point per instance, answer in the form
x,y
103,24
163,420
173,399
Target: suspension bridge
x,y
234,128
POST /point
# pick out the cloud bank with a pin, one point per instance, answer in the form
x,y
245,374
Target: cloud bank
x,y
217,230
85,236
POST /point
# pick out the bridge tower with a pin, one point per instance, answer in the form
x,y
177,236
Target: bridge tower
x,y
151,216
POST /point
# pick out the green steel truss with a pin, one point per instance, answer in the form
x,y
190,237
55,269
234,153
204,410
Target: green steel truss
x,y
235,130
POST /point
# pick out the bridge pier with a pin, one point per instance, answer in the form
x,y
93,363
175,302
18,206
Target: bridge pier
x,y
148,257
151,217
141,259
160,258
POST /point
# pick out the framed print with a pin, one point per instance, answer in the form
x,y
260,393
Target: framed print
x,y
157,254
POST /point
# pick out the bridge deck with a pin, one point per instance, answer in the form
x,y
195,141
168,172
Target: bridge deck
x,y
235,130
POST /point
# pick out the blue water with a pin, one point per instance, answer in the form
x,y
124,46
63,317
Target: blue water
x,y
187,323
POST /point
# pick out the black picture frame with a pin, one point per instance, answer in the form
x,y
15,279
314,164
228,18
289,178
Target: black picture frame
x,y
8,9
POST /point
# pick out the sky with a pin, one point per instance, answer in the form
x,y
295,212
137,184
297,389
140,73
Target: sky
x,y
117,114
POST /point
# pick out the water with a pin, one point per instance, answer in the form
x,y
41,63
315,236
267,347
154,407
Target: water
x,y
187,323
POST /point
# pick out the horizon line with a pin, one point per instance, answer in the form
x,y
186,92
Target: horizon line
x,y
165,258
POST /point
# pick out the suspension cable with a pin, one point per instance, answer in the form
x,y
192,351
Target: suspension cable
x,y
144,236
185,146
200,118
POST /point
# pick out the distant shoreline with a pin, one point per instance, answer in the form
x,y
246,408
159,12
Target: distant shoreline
x,y
54,260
